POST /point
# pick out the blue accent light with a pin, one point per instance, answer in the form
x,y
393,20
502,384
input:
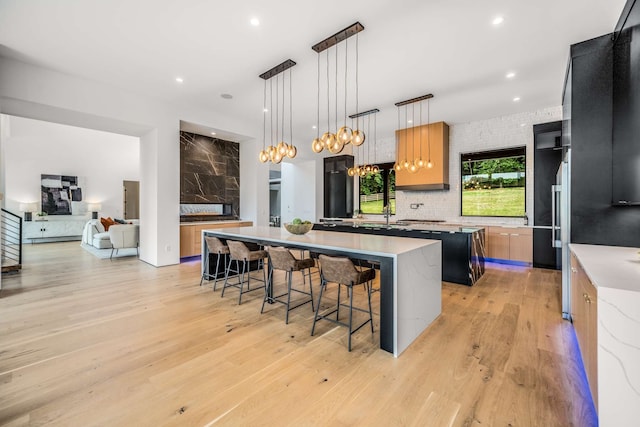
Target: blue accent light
x,y
574,348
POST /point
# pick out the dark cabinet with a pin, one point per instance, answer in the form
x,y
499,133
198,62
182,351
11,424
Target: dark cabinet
x,y
338,187
547,157
626,111
588,128
462,252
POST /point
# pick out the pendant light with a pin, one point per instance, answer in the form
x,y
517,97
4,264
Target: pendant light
x,y
429,164
419,161
334,142
405,163
375,169
276,153
344,133
365,167
416,163
318,145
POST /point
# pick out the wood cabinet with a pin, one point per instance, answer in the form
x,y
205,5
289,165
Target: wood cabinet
x,y
191,235
510,243
584,316
433,138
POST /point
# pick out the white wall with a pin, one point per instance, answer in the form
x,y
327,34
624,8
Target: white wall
x,y
500,132
38,93
298,191
101,160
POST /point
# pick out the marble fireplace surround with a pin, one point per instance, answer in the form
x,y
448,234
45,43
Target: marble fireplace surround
x,y
209,171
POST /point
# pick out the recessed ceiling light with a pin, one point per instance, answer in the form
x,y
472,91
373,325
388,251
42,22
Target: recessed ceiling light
x,y
498,20
179,79
226,95
516,99
510,75
523,124
266,110
255,22
314,127
409,121
213,133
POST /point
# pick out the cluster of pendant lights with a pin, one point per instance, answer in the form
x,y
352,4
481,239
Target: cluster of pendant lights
x,y
335,141
413,161
277,151
366,168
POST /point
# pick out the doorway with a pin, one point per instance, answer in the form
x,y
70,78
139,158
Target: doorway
x,y
131,199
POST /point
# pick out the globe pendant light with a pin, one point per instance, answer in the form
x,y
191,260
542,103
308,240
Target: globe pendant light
x,y
335,142
344,133
276,153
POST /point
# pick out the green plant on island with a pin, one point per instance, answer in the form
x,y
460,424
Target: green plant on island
x,y
298,221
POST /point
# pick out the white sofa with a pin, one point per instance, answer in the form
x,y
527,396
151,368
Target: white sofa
x,y
95,235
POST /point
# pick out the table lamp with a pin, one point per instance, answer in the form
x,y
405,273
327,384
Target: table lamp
x,y
94,208
27,208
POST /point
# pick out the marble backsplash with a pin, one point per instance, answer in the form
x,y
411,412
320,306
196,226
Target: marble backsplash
x,y
209,171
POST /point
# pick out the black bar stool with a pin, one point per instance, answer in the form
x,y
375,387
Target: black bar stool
x,y
239,252
342,271
282,259
214,246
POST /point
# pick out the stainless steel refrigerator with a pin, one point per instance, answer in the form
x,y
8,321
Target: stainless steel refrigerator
x,y
561,226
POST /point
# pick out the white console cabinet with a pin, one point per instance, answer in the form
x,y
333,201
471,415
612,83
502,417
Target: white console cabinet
x,y
52,230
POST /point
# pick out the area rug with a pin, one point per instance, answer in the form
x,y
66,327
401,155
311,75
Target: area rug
x,y
106,253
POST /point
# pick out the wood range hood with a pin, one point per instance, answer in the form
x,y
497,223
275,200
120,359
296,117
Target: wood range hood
x,y
433,137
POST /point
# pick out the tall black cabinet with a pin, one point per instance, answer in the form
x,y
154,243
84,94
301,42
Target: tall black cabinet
x,y
547,157
338,187
588,103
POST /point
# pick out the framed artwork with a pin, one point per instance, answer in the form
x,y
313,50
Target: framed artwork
x,y
58,192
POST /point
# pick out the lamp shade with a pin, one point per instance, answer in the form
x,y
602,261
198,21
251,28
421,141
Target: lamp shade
x,y
94,207
28,207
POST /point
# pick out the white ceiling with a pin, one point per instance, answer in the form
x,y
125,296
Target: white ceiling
x,y
408,48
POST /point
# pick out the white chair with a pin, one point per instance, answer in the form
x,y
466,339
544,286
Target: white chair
x,y
124,236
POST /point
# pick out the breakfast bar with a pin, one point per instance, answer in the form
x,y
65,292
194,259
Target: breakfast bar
x,y
410,273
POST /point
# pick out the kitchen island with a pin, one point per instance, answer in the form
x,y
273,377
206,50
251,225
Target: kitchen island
x,y
463,248
410,273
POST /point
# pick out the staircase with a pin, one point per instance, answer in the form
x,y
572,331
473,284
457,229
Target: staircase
x,y
11,247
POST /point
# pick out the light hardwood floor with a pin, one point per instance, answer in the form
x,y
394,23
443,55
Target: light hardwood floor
x,y
85,342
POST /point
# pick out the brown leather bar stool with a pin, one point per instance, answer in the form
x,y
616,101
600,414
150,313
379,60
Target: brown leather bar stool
x,y
341,270
214,246
239,252
282,259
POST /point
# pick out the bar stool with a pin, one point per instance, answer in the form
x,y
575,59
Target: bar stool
x,y
214,246
283,259
342,271
239,252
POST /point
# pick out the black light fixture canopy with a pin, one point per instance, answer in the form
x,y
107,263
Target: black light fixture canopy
x,y
341,35
364,113
412,100
277,69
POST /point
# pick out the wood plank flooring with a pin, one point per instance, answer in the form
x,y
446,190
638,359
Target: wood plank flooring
x,y
91,342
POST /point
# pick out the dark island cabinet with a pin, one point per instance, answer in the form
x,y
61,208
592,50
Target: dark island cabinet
x,y
463,248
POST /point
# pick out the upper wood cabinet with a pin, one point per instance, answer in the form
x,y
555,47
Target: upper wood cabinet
x,y
434,137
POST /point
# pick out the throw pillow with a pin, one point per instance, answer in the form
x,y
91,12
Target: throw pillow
x,y
106,223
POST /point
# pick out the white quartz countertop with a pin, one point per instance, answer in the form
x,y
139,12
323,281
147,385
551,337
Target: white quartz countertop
x,y
612,267
225,221
362,243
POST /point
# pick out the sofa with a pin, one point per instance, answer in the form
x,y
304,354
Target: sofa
x,y
95,235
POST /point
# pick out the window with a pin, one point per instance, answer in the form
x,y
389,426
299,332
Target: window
x,y
493,183
378,190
